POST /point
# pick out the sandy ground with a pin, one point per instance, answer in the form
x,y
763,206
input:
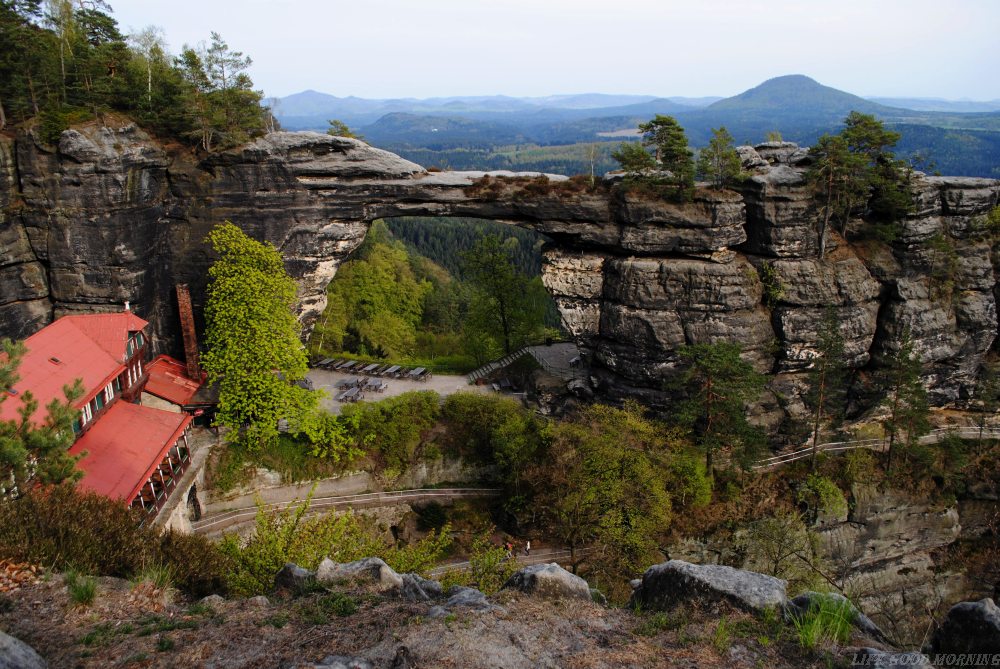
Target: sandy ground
x,y
441,383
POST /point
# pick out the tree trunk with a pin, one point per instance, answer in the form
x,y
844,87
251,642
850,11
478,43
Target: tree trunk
x,y
3,116
817,418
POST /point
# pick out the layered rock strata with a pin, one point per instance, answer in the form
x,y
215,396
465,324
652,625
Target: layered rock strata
x,y
111,215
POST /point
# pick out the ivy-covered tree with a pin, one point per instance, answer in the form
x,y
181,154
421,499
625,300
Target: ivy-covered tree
x,y
30,451
718,384
718,162
252,337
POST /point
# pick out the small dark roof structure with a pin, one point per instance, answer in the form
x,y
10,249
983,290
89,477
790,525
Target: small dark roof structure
x,y
168,380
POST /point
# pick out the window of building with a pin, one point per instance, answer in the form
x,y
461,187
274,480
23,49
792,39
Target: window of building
x,y
109,392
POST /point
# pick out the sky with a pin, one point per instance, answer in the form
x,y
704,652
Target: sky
x,y
429,48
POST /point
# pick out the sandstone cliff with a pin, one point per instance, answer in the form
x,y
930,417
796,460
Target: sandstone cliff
x,y
110,215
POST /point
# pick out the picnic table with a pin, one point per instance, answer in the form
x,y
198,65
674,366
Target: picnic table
x,y
324,362
415,374
348,395
348,382
347,365
392,370
370,368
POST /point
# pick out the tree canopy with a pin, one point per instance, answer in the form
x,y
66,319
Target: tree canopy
x,y
252,336
64,62
718,162
671,157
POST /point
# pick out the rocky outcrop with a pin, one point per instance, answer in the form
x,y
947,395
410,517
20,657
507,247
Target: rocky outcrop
x,y
969,627
668,584
109,215
15,654
549,581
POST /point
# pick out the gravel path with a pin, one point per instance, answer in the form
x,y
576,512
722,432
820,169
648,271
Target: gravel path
x,y
442,384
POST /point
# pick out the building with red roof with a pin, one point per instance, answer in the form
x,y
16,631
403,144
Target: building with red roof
x,y
129,452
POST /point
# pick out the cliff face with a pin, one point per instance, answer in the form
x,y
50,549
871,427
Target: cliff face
x,y
110,215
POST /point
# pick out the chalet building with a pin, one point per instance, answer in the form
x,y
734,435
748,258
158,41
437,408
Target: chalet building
x,y
130,452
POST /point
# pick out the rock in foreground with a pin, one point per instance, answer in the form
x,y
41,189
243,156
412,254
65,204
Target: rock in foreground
x,y
668,584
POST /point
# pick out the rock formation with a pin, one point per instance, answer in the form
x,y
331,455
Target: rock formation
x,y
111,215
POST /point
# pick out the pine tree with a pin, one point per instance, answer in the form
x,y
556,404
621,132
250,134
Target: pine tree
x,y
719,162
719,385
905,397
670,146
827,377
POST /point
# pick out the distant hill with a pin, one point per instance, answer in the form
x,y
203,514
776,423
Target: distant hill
x,y
481,130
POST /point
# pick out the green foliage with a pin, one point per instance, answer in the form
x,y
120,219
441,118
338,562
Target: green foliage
x,y
71,63
339,129
718,162
858,168
63,528
82,589
251,334
721,636
634,159
602,482
943,258
718,385
320,610
391,429
828,619
772,136
826,394
29,450
331,436
288,535
781,545
822,496
774,289
905,397
509,306
489,567
158,575
690,485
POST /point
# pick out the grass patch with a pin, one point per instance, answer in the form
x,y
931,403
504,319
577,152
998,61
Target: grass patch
x,y
158,624
164,643
661,621
104,633
235,464
159,575
278,620
82,589
826,620
321,610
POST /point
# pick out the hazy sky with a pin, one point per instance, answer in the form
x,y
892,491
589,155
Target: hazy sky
x,y
425,48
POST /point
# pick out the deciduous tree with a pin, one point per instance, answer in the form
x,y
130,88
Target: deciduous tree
x,y
252,336
827,390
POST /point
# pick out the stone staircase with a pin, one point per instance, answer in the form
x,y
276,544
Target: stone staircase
x,y
491,367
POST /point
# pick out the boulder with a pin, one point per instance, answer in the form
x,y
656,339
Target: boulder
x,y
416,588
969,627
15,654
342,662
212,600
293,577
668,584
549,581
371,570
260,602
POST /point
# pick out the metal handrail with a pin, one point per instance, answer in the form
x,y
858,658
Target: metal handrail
x,y
872,444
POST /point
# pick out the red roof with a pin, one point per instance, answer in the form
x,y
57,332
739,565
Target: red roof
x,y
125,447
168,379
90,347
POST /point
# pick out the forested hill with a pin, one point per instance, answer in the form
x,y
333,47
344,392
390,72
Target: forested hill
x,y
572,141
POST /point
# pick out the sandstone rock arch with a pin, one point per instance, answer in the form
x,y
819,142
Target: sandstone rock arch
x,y
112,215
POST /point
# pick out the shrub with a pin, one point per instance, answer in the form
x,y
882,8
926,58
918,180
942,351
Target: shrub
x,y
63,528
690,485
289,536
158,575
392,428
822,496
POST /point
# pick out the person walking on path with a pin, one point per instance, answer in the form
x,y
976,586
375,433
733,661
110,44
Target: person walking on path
x,y
527,547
